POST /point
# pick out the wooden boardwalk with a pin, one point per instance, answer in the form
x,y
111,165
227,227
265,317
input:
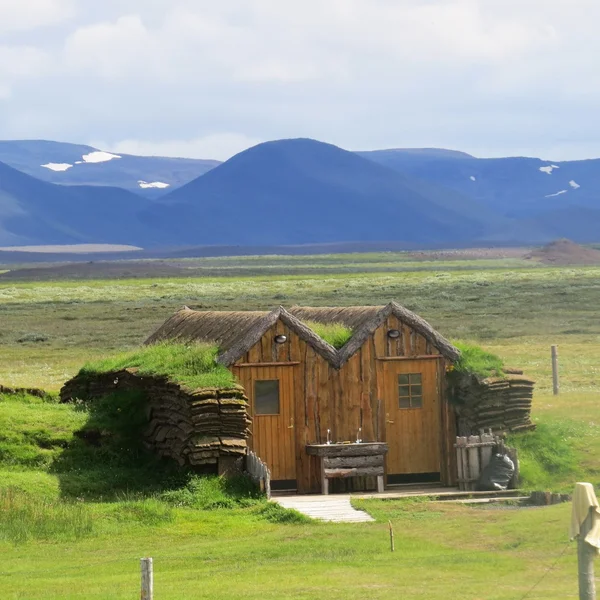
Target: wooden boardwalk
x,y
333,507
337,507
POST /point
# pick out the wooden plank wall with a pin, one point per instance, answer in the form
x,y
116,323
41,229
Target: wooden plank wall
x,y
340,400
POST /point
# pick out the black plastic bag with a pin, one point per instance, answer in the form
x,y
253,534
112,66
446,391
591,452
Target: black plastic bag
x,y
497,474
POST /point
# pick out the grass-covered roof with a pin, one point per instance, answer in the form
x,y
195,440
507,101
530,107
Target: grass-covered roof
x,y
193,365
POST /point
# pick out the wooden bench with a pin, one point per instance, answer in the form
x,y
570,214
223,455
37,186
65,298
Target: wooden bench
x,y
350,460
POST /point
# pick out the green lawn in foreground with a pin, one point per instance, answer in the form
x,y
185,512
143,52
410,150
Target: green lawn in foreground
x,y
442,551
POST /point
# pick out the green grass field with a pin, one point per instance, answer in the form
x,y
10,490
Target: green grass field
x,y
74,522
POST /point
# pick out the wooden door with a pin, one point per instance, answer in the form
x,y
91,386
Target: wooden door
x,y
270,390
411,395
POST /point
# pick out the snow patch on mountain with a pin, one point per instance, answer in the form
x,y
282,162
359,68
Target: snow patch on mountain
x,y
557,194
57,166
99,156
549,168
472,178
574,184
154,184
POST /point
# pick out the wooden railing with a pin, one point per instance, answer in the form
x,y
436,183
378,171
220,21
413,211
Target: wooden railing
x,y
259,472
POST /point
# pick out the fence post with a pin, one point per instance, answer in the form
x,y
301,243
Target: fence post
x,y
555,386
147,579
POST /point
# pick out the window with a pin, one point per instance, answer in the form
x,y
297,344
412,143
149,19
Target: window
x,y
266,397
410,390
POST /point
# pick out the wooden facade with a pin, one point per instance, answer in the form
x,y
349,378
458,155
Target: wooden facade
x,y
323,389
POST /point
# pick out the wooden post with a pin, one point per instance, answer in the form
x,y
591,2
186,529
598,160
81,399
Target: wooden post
x,y
585,561
555,386
391,536
147,579
474,468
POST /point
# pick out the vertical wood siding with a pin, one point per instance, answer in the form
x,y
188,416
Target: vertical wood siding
x,y
340,400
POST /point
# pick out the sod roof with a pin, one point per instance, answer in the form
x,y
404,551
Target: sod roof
x,y
235,332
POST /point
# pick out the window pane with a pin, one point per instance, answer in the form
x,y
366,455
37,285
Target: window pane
x,y
404,390
415,377
266,397
416,401
416,390
403,379
404,403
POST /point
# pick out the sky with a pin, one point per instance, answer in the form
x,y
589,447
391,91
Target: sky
x,y
207,79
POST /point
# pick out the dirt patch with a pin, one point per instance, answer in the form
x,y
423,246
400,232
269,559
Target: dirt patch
x,y
565,252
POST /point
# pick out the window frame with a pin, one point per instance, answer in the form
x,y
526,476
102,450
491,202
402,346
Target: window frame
x,y
404,381
265,414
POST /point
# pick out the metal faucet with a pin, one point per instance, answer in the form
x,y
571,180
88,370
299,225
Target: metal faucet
x,y
358,434
329,436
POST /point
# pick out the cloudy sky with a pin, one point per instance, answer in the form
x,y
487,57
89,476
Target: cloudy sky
x,y
207,78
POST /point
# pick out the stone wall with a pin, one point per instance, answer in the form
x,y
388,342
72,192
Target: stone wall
x,y
502,404
194,427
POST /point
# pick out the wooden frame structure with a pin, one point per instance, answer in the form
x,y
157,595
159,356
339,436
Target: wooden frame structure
x,y
321,388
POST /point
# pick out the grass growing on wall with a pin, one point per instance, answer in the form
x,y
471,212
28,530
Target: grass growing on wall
x,y
475,360
191,365
336,334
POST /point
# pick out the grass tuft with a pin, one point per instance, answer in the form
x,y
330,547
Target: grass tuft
x,y
336,334
24,517
208,493
474,360
191,365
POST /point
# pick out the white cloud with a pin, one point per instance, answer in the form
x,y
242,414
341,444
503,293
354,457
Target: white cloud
x,y
219,146
20,63
466,74
25,15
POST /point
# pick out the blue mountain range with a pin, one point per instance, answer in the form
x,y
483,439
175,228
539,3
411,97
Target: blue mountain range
x,y
285,192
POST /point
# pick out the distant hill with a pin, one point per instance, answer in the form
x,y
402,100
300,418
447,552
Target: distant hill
x,y
565,252
298,193
37,212
74,164
561,198
303,191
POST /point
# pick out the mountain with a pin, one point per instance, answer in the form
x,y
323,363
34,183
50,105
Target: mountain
x,y
303,191
73,164
36,212
560,197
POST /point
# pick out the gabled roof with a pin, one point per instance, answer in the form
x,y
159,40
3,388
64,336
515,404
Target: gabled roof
x,y
235,332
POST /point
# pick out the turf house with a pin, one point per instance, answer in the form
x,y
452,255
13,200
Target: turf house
x,y
382,380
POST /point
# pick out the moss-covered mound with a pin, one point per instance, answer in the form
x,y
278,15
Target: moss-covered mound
x,y
193,366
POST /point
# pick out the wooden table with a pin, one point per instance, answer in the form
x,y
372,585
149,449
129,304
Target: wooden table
x,y
350,460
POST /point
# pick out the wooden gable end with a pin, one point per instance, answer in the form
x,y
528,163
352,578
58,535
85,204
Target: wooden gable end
x,y
410,344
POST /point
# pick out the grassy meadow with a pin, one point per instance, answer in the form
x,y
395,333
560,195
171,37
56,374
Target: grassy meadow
x,y
75,520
